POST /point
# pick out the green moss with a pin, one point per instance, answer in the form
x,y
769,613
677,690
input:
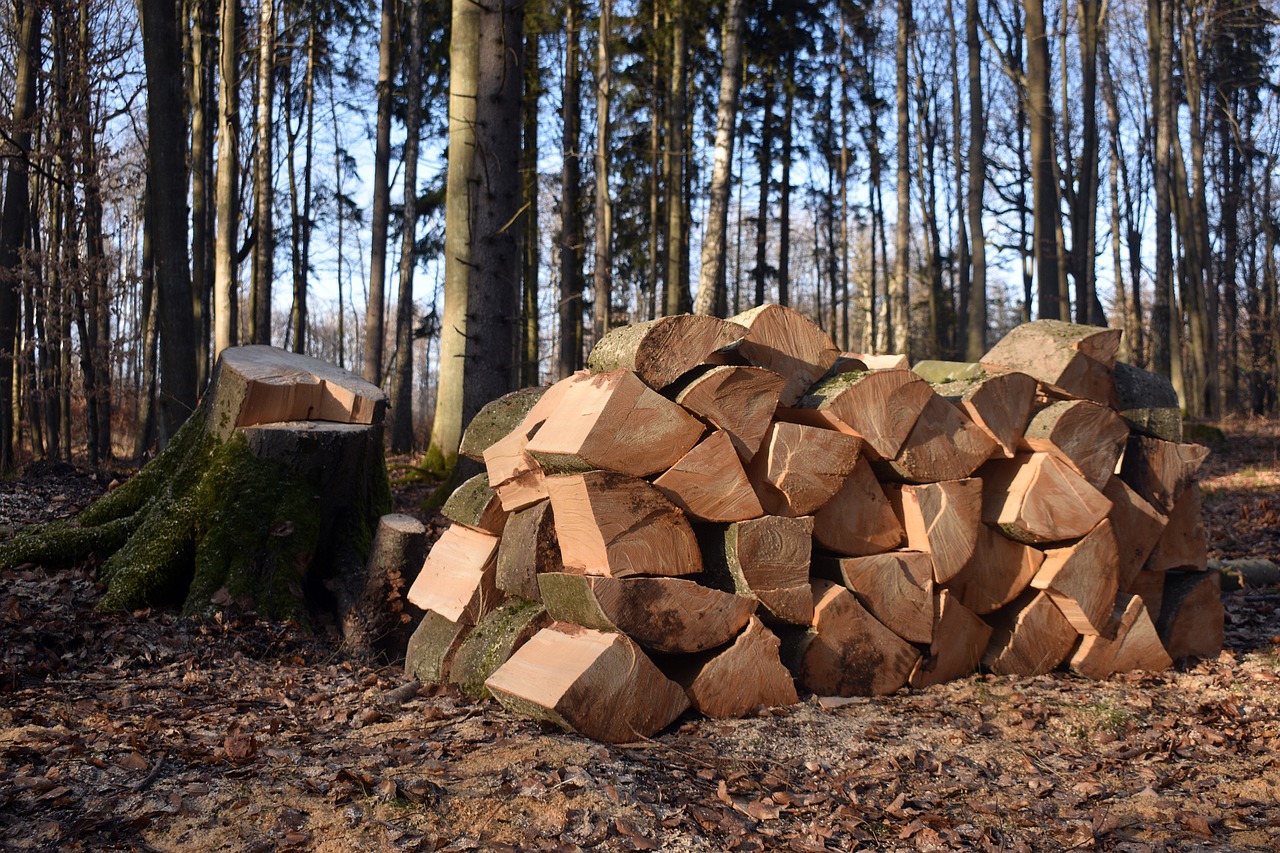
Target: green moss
x,y
491,643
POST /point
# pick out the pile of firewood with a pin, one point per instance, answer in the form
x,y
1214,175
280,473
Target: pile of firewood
x,y
718,512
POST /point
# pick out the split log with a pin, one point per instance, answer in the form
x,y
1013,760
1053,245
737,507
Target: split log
x,y
998,572
497,419
709,483
765,559
789,344
1072,360
1191,614
1000,404
897,588
945,372
1031,637
870,361
943,445
475,505
668,615
1088,437
613,421
1149,586
513,473
278,517
1037,499
1139,526
858,519
960,637
660,351
492,642
1148,402
1184,544
529,547
1135,645
458,580
597,683
848,652
799,468
1083,579
878,406
615,525
941,519
1160,470
431,648
734,681
378,621
739,400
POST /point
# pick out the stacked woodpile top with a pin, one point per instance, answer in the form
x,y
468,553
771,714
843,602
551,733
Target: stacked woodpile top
x,y
720,512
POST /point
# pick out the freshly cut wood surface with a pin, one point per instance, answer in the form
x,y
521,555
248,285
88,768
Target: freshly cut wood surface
x,y
1138,527
848,652
431,648
1135,645
765,559
475,505
941,519
1000,404
1149,586
492,642
1148,402
1159,470
733,681
377,618
663,614
888,361
660,351
998,572
497,419
897,588
615,422
458,580
799,468
1085,435
879,406
529,547
597,683
1036,498
1184,544
1031,637
943,445
789,344
858,519
1072,360
739,400
1083,578
1191,614
513,473
709,483
960,638
264,385
615,525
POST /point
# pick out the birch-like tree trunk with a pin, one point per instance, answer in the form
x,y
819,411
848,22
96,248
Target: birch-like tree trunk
x,y
1045,216
264,181
226,290
899,337
375,330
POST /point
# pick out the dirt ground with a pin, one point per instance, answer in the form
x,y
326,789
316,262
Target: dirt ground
x,y
144,731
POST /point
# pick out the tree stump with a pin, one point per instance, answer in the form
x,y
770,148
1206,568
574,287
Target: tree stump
x,y
268,497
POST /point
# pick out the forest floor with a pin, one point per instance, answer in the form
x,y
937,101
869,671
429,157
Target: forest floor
x,y
146,731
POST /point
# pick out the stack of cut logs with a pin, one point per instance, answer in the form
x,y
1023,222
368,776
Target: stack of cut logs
x,y
718,512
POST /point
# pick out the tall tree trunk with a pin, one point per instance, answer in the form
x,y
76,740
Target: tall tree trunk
x,y
899,339
976,340
1131,308
1084,210
675,300
460,202
1045,187
162,52
145,438
202,105
226,290
711,278
530,250
402,392
654,259
765,154
375,334
963,286
1230,229
926,142
301,220
570,203
264,246
1163,323
602,277
784,192
14,213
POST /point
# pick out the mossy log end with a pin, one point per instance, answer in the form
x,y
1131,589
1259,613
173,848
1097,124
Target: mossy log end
x,y
277,517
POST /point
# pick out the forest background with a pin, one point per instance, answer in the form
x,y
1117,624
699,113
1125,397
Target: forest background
x,y
454,200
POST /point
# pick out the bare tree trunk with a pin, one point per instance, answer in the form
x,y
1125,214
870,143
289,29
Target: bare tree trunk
x,y
530,249
570,204
784,192
226,291
963,286
603,274
653,262
1084,210
375,334
761,273
264,247
899,339
301,220
1046,216
402,396
976,340
202,103
1163,324
675,299
711,279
